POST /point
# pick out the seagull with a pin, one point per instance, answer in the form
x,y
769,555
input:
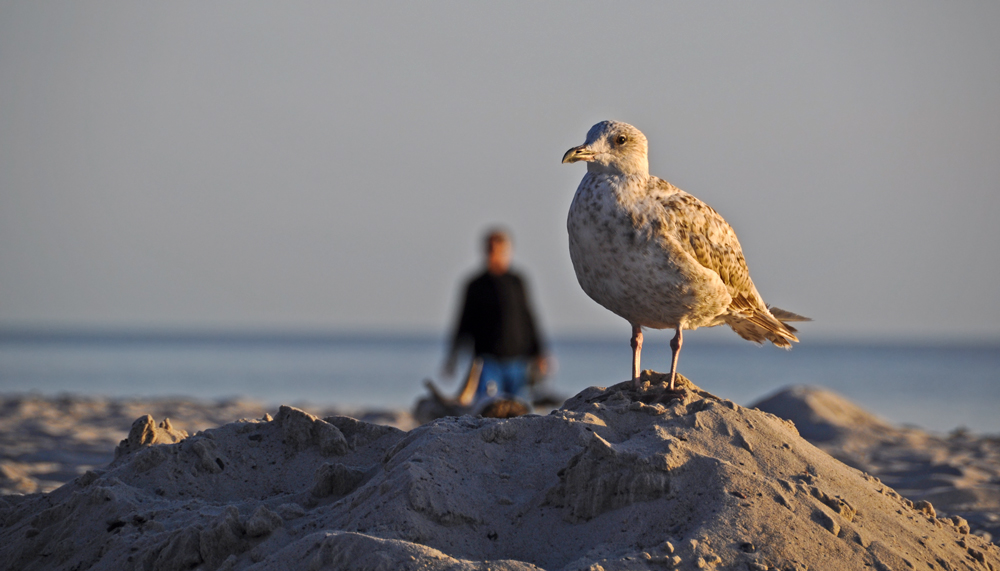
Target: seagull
x,y
656,255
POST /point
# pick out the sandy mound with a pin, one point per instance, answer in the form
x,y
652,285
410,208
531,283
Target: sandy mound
x,y
617,479
46,442
959,475
824,416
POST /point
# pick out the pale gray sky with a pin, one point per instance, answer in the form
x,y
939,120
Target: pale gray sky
x,y
306,165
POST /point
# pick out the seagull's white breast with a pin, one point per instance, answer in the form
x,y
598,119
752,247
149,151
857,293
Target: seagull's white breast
x,y
626,254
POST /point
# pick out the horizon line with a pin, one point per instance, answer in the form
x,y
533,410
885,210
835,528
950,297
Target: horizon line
x,y
305,335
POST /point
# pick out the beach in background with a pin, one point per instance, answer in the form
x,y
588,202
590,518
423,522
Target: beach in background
x,y
938,388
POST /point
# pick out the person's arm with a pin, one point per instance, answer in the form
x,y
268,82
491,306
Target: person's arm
x,y
536,346
462,333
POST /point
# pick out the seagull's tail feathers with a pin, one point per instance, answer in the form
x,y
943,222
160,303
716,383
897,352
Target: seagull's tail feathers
x,y
784,315
760,326
755,321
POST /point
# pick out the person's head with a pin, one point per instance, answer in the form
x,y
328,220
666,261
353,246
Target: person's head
x,y
498,251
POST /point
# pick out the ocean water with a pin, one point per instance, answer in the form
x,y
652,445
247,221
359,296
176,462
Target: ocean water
x,y
939,388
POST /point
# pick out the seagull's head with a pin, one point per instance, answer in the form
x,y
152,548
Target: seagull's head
x,y
612,148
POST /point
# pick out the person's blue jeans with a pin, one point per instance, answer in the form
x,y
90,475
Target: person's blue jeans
x,y
503,378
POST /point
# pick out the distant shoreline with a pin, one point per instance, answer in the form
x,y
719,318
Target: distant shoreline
x,y
280,336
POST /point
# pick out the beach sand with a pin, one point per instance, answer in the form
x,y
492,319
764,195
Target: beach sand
x,y
959,473
616,479
46,442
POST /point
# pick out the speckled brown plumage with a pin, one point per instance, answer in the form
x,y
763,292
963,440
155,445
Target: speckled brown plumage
x,y
656,255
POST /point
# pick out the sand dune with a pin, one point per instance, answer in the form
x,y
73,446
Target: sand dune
x,y
616,479
46,442
959,474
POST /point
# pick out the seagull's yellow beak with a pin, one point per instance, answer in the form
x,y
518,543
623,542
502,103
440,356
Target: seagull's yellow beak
x,y
581,153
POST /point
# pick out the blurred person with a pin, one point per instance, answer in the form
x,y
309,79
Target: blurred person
x,y
497,321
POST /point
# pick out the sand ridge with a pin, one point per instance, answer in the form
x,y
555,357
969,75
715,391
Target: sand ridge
x,y
959,474
46,442
617,479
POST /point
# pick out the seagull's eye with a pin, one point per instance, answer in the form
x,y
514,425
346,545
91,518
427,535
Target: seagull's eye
x,y
621,139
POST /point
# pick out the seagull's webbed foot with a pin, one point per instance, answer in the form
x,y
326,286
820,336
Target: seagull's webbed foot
x,y
655,389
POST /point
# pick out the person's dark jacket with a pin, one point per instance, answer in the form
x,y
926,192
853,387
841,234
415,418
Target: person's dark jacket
x,y
497,318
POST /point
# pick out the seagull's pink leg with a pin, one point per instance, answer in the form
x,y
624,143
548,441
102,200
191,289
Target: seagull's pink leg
x,y
636,349
675,348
